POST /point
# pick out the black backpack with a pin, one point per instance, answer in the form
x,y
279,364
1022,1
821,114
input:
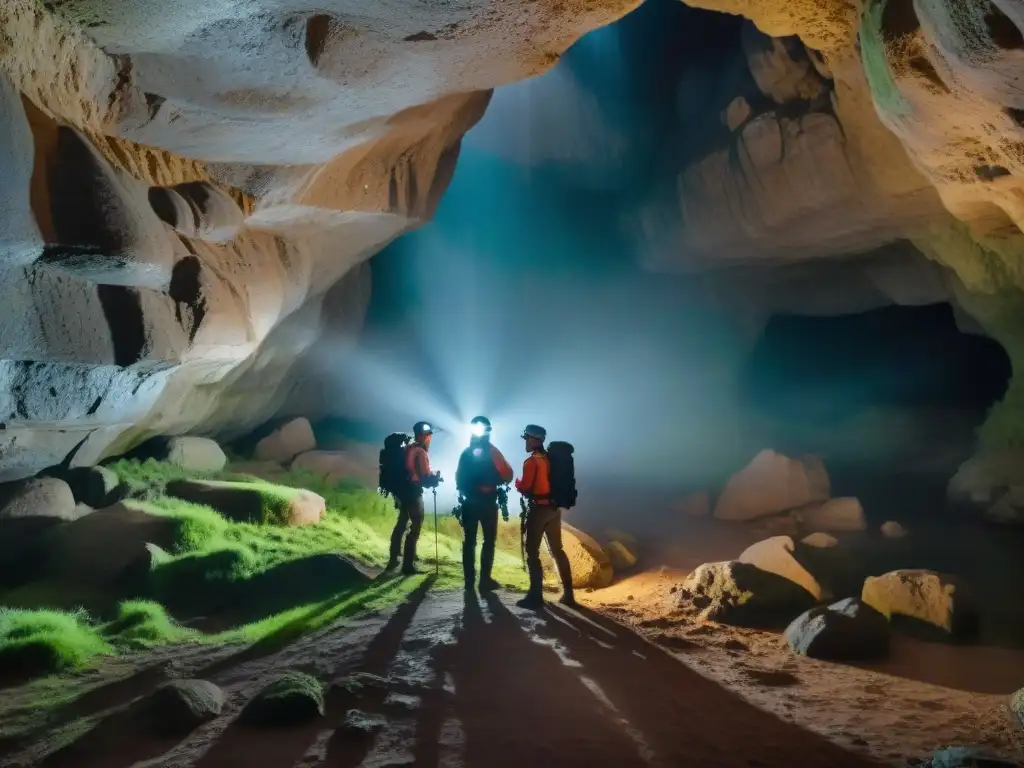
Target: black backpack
x,y
563,474
477,470
394,479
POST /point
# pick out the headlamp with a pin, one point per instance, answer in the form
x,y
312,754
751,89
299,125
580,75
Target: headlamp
x,y
478,429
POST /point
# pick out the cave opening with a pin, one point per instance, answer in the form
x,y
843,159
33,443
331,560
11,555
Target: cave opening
x,y
891,398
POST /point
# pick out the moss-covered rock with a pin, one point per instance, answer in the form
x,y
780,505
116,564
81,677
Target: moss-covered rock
x,y
293,698
254,502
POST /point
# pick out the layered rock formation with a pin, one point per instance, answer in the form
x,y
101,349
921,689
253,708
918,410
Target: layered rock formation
x,y
920,138
187,191
189,194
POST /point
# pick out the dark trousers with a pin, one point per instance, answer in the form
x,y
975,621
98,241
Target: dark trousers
x,y
545,521
410,513
482,513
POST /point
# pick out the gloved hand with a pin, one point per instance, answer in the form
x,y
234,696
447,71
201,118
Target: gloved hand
x,y
432,480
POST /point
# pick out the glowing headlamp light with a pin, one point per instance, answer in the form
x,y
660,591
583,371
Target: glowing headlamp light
x,y
477,429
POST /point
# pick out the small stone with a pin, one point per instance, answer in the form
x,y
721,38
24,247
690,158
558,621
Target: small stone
x,y
362,724
183,705
893,530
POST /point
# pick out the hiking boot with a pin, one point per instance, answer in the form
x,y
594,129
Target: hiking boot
x,y
411,570
489,585
392,564
569,600
531,603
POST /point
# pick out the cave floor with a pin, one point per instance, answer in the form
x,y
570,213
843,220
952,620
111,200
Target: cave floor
x,y
474,682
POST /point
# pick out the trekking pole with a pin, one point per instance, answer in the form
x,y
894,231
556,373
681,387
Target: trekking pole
x,y
437,556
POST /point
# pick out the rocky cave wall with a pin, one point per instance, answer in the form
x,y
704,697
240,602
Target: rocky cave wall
x,y
183,186
923,140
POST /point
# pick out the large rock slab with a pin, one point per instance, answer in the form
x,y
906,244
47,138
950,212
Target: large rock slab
x,y
940,601
47,497
286,442
775,555
849,630
844,514
253,502
99,548
772,483
742,594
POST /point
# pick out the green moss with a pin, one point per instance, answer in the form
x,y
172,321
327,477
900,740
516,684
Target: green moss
x,y
143,624
44,642
268,583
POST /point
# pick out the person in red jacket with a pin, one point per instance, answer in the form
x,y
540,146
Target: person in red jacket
x,y
410,506
482,469
543,520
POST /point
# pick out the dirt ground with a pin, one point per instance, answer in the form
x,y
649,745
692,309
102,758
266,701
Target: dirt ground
x,y
473,682
925,696
483,683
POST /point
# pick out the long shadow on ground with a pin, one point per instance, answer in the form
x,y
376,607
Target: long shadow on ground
x,y
682,717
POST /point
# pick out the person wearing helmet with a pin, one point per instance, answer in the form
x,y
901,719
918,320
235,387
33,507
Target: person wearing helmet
x,y
482,469
410,506
543,520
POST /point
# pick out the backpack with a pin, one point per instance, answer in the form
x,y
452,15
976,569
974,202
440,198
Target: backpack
x,y
477,470
563,474
394,479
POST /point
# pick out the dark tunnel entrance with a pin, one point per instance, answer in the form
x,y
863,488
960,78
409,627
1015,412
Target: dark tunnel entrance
x,y
827,369
890,398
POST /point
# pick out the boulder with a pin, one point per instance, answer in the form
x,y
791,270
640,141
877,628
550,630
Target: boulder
x,y
969,757
893,530
772,483
1009,509
591,566
1016,705
97,549
849,630
41,497
775,555
845,514
181,706
820,540
620,555
938,600
96,487
253,502
196,454
291,699
286,442
743,595
336,465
